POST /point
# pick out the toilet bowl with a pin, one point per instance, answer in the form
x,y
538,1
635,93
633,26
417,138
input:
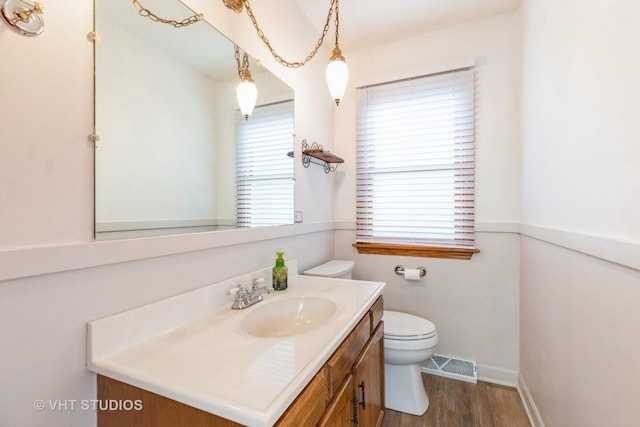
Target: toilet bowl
x,y
408,341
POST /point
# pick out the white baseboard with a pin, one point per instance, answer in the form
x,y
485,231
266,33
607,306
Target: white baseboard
x,y
495,375
529,405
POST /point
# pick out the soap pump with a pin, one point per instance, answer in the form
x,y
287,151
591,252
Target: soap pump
x,y
280,273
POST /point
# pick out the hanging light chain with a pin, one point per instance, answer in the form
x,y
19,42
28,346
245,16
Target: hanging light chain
x,y
280,59
337,25
177,24
242,67
236,6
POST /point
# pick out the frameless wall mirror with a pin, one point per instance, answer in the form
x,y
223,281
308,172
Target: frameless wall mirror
x,y
172,143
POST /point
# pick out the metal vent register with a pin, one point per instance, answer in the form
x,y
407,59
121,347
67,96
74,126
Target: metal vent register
x,y
449,367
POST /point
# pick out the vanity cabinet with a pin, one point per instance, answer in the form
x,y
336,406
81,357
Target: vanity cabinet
x,y
358,399
354,380
347,391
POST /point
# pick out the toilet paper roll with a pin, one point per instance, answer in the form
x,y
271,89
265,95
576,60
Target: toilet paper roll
x,y
412,274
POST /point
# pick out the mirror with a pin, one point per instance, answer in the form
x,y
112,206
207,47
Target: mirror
x,y
167,120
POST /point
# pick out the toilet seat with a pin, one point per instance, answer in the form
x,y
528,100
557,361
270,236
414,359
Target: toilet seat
x,y
406,327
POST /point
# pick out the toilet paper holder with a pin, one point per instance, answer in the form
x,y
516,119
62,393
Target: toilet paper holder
x,y
400,270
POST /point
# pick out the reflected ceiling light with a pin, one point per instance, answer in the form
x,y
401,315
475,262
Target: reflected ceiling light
x,y
246,92
337,71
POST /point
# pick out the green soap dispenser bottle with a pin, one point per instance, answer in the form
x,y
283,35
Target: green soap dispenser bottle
x,y
280,273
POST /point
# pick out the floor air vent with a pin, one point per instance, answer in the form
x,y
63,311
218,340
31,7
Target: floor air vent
x,y
449,367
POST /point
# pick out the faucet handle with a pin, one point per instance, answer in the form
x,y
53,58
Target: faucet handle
x,y
239,290
258,283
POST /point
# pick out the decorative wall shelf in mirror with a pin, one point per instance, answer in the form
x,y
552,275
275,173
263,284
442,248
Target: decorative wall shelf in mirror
x,y
169,129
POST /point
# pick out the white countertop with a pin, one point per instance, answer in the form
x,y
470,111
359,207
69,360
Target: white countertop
x,y
191,347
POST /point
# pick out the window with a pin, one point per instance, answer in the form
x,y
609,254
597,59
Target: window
x,y
415,167
264,172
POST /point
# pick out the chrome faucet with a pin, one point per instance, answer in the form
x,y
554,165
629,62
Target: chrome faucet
x,y
241,300
246,298
257,289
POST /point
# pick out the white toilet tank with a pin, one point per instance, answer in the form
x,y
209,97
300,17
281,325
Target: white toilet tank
x,y
339,269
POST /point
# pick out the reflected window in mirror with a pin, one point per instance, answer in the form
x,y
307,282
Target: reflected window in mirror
x,y
264,172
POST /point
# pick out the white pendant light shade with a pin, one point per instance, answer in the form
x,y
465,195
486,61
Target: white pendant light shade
x,y
337,75
247,93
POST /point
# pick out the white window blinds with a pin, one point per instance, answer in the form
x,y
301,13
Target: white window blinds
x,y
415,161
264,172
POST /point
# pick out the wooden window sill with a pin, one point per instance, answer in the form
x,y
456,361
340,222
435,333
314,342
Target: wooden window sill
x,y
414,250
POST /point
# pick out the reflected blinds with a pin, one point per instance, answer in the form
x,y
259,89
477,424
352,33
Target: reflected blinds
x,y
264,172
415,161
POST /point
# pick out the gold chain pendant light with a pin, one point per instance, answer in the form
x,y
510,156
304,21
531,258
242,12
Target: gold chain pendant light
x,y
337,71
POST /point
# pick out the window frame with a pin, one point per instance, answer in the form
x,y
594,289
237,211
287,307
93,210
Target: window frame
x,y
366,240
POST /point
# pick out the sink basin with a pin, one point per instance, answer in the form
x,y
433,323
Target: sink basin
x,y
288,317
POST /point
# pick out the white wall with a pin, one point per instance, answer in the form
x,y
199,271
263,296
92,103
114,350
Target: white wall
x,y
579,337
472,303
580,167
53,277
580,268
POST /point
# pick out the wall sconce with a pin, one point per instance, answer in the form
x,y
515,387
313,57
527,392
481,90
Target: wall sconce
x,y
337,71
246,92
23,17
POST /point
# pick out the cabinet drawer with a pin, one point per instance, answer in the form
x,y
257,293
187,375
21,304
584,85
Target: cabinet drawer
x,y
340,363
376,311
309,406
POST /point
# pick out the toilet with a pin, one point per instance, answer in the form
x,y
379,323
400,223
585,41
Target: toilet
x,y
408,341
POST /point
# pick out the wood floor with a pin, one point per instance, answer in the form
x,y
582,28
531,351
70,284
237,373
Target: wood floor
x,y
455,403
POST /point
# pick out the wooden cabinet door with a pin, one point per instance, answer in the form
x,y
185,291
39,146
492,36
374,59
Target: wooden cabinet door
x,y
339,413
308,407
368,376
